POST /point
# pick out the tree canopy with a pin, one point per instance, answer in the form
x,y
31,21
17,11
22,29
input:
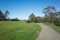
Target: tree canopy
x,y
4,16
51,15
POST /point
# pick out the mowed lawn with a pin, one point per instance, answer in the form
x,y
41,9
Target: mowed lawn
x,y
56,28
18,30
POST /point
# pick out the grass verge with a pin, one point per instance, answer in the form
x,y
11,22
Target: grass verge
x,y
56,28
18,30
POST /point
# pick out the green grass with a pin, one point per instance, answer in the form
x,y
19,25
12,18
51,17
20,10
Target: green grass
x,y
18,30
56,28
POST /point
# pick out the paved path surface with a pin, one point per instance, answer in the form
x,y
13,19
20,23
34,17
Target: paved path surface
x,y
47,33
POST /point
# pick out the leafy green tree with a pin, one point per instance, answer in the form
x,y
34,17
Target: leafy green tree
x,y
38,19
1,15
6,13
57,20
4,16
32,18
49,13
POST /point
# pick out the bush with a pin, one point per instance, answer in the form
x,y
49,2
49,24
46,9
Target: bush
x,y
28,21
57,22
15,19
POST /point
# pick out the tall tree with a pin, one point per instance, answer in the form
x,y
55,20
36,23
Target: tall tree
x,y
1,15
6,13
4,16
32,18
49,13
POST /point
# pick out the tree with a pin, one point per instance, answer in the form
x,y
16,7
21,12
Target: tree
x,y
58,14
1,15
4,16
49,13
38,19
6,13
32,18
57,20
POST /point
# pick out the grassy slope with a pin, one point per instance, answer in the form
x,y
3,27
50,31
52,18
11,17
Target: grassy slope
x,y
57,28
15,30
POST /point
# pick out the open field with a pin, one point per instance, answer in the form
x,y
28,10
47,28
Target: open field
x,y
57,28
18,30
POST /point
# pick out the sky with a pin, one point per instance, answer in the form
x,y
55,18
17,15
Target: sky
x,y
21,9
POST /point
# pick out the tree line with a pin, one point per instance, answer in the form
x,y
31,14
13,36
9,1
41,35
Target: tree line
x,y
33,18
51,15
5,16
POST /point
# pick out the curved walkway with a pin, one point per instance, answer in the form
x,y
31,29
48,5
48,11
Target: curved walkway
x,y
47,33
